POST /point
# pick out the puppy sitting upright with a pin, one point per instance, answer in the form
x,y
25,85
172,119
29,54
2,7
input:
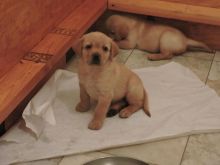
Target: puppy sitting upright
x,y
105,81
163,41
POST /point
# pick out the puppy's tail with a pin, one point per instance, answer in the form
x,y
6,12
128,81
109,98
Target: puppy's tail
x,y
197,45
146,104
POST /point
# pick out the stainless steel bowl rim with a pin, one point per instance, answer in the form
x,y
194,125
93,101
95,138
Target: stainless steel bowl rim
x,y
105,161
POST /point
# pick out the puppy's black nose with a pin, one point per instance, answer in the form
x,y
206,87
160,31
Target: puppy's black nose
x,y
95,58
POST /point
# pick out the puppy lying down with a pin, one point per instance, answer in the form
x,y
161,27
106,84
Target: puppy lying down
x,y
106,82
163,41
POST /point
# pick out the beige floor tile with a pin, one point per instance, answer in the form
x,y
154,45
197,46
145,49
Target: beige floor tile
x,y
82,158
123,55
165,152
214,85
54,161
214,76
215,71
203,149
198,62
217,56
199,54
138,59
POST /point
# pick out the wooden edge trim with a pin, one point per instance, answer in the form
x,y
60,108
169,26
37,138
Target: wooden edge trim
x,y
20,85
166,9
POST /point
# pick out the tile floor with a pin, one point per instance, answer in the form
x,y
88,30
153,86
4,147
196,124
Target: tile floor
x,y
201,149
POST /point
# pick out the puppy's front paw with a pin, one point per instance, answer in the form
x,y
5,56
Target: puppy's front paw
x,y
95,125
82,107
125,113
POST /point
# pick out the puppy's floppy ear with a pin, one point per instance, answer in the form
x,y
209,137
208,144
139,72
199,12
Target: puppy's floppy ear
x,y
114,50
123,31
77,47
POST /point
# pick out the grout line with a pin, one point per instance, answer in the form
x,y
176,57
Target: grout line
x,y
184,150
129,56
61,158
210,68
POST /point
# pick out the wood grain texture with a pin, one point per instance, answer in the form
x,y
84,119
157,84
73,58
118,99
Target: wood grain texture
x,y
167,9
23,77
51,44
16,85
56,45
87,15
206,3
24,23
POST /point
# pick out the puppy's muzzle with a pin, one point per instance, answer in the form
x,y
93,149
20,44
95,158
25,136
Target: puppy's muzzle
x,y
95,59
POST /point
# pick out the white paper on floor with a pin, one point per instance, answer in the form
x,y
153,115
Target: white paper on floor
x,y
180,104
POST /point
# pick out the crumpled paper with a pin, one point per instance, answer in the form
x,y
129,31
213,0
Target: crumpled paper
x,y
180,104
40,109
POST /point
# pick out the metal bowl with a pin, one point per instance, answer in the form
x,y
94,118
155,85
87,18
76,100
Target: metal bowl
x,y
116,161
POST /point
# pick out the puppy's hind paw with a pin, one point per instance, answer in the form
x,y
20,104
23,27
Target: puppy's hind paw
x,y
125,113
95,125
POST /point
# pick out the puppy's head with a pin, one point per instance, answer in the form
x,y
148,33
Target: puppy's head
x,y
117,27
96,48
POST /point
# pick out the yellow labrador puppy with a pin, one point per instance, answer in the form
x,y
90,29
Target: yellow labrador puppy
x,y
105,81
163,41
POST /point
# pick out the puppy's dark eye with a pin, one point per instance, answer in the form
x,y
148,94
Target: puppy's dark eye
x,y
105,48
89,46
